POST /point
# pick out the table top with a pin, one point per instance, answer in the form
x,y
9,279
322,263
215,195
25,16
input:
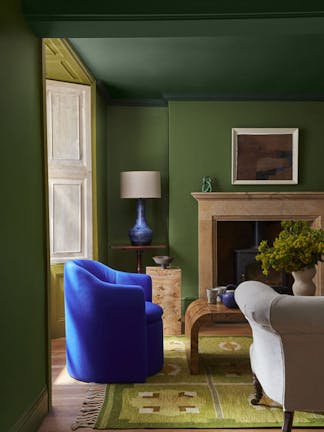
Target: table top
x,y
138,247
219,307
201,308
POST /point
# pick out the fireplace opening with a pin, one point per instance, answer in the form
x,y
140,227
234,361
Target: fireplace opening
x,y
237,246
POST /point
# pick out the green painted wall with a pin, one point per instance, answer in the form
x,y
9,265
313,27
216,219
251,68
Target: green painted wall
x,y
22,229
200,144
101,171
137,140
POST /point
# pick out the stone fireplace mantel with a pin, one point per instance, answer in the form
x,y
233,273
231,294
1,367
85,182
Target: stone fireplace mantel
x,y
248,206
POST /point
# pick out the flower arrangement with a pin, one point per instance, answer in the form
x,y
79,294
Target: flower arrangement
x,y
298,246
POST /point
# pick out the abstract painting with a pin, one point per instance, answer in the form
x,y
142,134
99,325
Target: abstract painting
x,y
264,156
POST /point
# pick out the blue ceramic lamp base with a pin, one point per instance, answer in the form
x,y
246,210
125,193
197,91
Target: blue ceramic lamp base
x,y
141,233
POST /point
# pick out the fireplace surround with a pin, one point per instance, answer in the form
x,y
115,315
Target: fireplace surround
x,y
215,207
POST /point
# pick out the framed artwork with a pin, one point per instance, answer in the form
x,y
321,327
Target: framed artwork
x,y
265,156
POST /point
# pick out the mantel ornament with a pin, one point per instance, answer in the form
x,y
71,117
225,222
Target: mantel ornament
x,y
206,184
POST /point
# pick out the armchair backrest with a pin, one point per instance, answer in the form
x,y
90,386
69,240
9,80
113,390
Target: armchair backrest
x,y
102,272
110,275
287,354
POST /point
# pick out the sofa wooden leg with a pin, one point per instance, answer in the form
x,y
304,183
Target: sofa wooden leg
x,y
258,391
288,421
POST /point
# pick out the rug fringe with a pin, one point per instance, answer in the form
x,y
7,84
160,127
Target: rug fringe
x,y
91,407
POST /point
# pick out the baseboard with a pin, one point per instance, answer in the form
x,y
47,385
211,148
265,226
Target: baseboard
x,y
31,419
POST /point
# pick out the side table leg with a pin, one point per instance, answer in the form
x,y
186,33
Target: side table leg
x,y
194,350
139,260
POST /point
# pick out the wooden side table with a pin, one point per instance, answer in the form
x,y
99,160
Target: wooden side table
x,y
166,284
199,313
139,251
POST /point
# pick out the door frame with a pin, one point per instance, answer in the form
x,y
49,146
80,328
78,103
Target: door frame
x,y
61,63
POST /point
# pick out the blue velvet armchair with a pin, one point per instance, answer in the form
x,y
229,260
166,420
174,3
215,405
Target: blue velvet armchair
x,y
114,332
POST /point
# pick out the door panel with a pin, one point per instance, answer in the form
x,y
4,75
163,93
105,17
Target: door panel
x,y
67,219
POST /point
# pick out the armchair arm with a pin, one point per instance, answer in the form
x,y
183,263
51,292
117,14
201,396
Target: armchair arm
x,y
140,279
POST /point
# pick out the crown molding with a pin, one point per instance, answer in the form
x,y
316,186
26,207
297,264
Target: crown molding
x,y
174,25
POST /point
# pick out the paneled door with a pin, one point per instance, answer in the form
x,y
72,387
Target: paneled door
x,y
69,184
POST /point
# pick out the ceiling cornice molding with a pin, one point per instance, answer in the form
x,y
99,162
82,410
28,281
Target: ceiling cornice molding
x,y
168,16
197,25
244,98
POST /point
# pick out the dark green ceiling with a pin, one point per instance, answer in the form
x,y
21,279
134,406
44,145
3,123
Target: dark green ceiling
x,y
193,49
221,67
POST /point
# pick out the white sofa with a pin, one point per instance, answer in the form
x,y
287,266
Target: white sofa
x,y
287,353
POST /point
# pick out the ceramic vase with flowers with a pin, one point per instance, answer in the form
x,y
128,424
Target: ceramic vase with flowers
x,y
297,249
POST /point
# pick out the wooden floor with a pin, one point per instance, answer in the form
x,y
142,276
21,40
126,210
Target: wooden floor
x,y
68,394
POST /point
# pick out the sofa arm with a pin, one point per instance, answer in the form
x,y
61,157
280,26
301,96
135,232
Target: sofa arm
x,y
255,299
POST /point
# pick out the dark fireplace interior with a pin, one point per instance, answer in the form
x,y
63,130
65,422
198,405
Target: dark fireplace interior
x,y
237,244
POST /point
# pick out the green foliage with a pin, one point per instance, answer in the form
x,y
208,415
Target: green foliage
x,y
298,246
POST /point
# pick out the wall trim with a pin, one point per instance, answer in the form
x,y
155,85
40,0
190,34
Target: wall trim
x,y
169,15
32,418
138,102
244,98
166,98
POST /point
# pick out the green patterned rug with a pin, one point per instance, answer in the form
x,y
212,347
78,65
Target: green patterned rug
x,y
219,397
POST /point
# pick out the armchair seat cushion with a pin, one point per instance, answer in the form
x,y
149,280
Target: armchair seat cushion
x,y
153,312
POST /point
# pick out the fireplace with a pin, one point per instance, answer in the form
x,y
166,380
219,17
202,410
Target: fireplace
x,y
217,208
237,246
246,266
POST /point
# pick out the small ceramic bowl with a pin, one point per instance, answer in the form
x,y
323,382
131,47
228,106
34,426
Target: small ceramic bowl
x,y
228,299
163,260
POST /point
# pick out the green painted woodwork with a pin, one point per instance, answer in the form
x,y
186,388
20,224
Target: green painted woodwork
x,y
200,144
57,312
193,50
137,140
108,19
61,63
23,360
180,7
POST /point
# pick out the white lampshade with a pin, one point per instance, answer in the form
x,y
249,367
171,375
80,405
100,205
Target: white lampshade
x,y
140,184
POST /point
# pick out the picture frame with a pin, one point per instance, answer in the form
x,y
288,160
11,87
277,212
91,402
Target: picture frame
x,y
264,156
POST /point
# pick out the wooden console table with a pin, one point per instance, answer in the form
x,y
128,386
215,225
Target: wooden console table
x,y
139,251
198,313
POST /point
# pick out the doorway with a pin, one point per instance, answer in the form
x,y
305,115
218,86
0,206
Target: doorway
x,y
70,114
71,173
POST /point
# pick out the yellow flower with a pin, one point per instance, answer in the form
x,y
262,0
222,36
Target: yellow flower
x,y
297,246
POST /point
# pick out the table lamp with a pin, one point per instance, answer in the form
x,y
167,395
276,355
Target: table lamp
x,y
140,185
